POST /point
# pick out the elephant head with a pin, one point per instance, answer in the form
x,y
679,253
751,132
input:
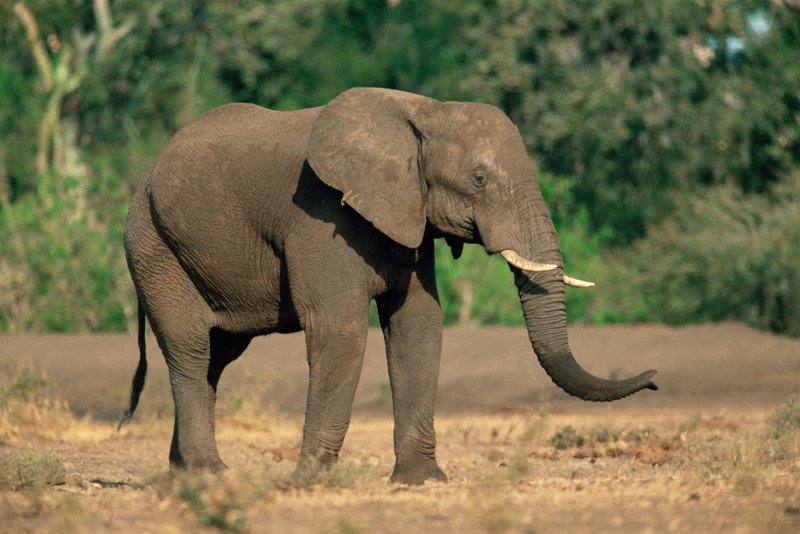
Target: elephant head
x,y
407,163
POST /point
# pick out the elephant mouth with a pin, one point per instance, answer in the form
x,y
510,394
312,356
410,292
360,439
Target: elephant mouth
x,y
513,258
456,246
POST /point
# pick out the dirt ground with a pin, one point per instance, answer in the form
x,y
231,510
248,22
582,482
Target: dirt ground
x,y
717,448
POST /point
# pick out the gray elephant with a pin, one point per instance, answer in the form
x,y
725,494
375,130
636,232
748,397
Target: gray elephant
x,y
255,221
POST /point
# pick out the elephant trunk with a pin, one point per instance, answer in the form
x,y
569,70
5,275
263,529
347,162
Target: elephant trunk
x,y
527,230
542,298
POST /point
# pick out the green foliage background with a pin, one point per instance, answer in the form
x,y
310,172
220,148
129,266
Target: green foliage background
x,y
666,133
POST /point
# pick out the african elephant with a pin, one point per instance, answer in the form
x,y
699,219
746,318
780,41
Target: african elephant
x,y
255,221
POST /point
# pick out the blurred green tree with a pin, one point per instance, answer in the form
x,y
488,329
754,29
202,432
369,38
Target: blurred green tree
x,y
637,102
631,110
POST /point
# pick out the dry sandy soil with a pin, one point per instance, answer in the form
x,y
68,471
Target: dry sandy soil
x,y
716,449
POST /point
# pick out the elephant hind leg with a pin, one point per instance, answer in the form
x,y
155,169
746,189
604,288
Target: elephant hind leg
x,y
181,321
186,346
194,390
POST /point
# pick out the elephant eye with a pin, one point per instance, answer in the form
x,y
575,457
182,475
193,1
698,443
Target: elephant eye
x,y
479,179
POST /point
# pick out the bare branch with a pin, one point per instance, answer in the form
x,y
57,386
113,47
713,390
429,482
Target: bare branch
x,y
40,55
102,12
794,5
109,36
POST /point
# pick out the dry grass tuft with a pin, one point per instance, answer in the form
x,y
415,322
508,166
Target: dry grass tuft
x,y
345,526
498,517
352,474
25,405
31,471
217,500
640,444
787,420
745,462
28,408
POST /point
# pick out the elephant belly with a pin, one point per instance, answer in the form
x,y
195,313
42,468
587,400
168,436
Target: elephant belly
x,y
243,280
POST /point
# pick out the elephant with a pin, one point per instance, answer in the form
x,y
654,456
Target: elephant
x,y
254,221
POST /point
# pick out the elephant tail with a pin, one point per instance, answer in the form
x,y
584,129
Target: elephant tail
x,y
137,384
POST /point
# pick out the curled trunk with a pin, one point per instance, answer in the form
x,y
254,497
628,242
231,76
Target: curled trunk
x,y
542,299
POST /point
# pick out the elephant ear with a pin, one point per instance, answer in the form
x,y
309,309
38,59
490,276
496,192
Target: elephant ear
x,y
365,144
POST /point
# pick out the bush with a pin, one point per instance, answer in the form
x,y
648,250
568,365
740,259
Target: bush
x,y
566,437
476,288
720,255
62,267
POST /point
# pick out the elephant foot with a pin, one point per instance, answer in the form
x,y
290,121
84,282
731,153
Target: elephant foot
x,y
308,470
213,465
417,473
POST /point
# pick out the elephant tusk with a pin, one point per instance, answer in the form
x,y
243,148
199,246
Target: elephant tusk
x,y
521,263
574,282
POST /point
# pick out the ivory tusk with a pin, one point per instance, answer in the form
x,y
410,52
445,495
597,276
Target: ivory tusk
x,y
521,263
574,282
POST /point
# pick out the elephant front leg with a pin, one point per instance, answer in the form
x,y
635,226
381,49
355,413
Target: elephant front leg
x,y
335,357
412,328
